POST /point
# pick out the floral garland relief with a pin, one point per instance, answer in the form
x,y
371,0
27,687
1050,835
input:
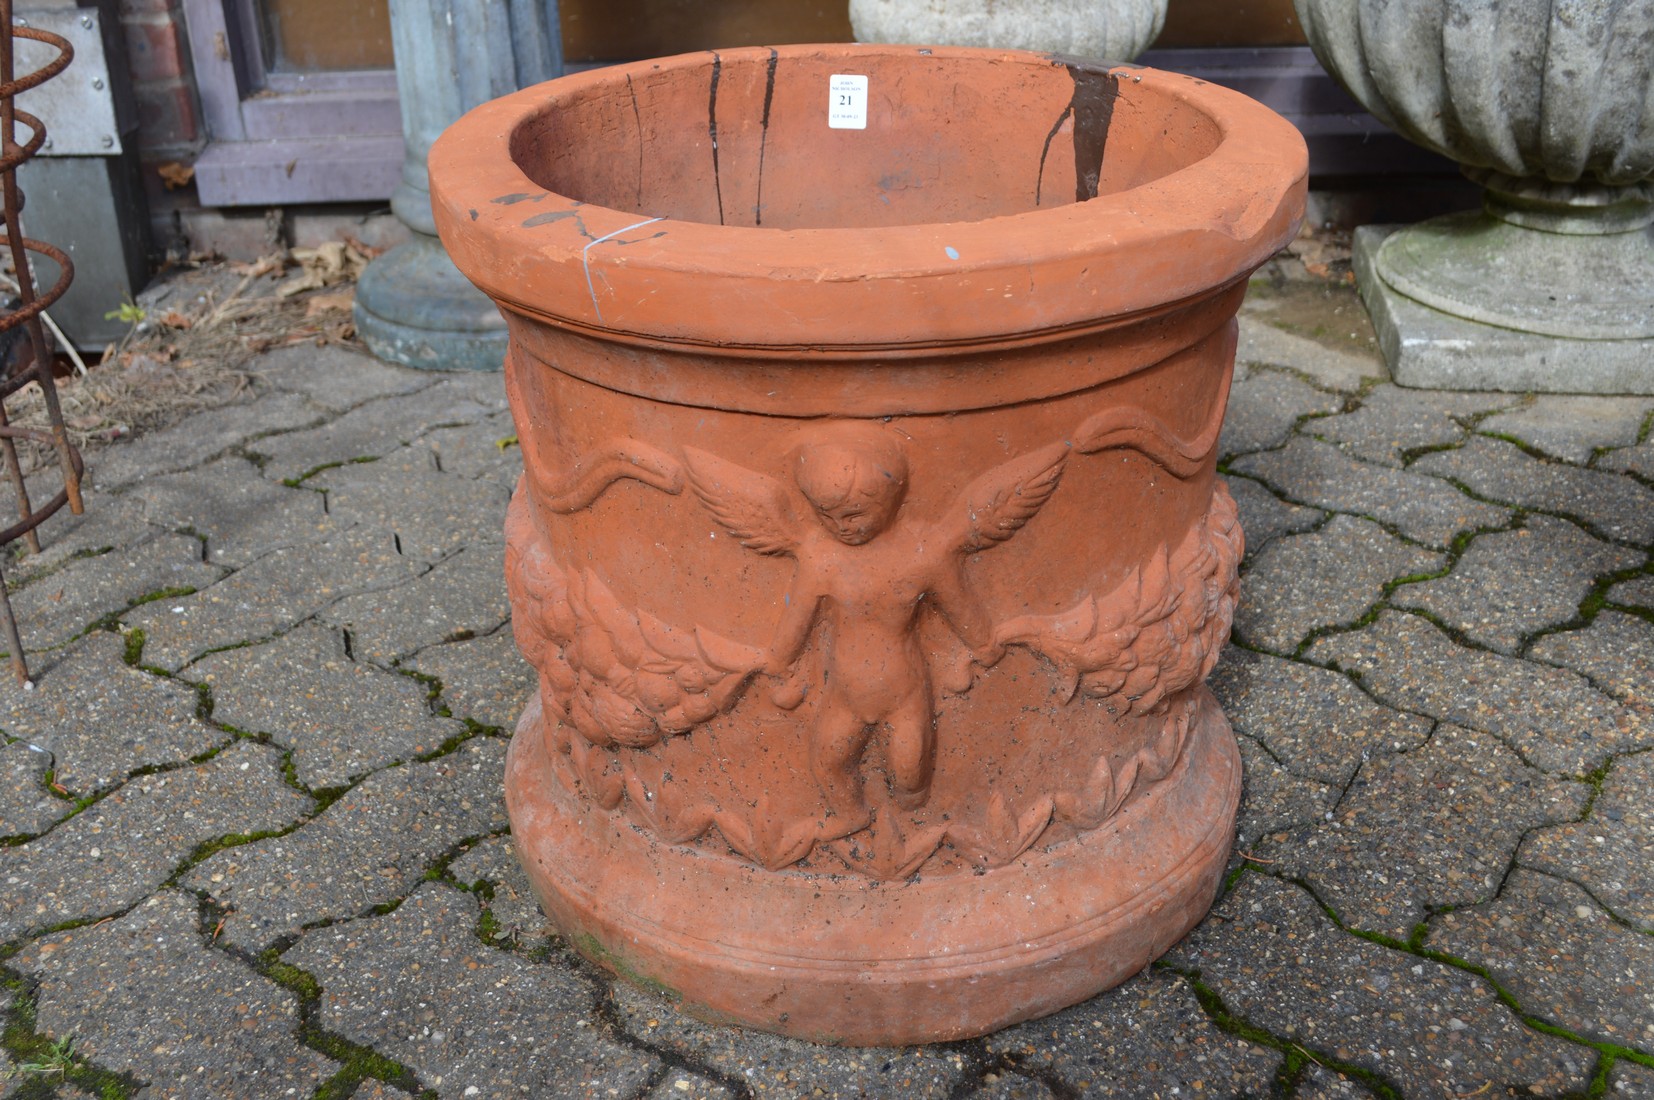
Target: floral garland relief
x,y
615,678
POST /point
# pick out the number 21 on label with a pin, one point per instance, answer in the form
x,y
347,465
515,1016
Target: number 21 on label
x,y
847,102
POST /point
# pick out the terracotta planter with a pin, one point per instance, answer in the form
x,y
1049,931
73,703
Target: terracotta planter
x,y
869,549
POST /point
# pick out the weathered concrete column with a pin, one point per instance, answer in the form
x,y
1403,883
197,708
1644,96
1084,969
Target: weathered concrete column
x,y
1547,105
412,305
1118,30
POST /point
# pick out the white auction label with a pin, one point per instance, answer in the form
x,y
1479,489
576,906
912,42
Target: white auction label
x,y
847,102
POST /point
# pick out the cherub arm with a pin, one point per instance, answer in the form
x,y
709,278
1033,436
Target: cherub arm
x,y
965,614
798,618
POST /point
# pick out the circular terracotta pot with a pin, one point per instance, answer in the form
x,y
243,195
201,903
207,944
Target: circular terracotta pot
x,y
869,547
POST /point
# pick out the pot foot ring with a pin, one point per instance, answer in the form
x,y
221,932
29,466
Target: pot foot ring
x,y
845,959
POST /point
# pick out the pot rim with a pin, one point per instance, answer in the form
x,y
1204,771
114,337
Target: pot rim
x,y
550,257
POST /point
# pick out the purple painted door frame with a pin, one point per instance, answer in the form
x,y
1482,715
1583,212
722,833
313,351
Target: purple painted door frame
x,y
284,138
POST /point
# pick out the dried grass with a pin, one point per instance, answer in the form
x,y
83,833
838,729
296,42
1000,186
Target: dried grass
x,y
201,324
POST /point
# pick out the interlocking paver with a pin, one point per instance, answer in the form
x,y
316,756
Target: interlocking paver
x,y
58,607
340,717
1631,1081
773,1068
100,719
1432,827
1572,426
374,1089
1320,1083
462,596
108,523
1311,472
1393,421
432,513
1563,958
1552,716
494,861
1265,516
1616,651
1613,507
1262,342
1148,1037
680,1084
1637,592
1273,798
272,594
1612,852
1313,719
481,450
1327,577
336,378
369,847
146,995
484,679
198,438
370,430
1425,1028
1632,460
418,985
1509,585
1264,406
25,804
119,849
241,514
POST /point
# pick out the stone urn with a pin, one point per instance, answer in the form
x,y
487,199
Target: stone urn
x,y
1547,104
869,547
1116,29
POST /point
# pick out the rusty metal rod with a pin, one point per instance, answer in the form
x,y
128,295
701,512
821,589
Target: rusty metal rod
x,y
31,304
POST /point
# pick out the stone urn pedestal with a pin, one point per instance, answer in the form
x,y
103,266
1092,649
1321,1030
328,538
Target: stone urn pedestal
x,y
1548,106
869,547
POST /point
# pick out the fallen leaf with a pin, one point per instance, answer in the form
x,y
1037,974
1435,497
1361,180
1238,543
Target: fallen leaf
x,y
329,303
173,319
175,175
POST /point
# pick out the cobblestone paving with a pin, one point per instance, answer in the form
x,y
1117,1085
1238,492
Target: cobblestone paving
x,y
252,842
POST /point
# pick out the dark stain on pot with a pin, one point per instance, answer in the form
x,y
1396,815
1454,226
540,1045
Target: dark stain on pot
x,y
558,215
513,200
1091,107
1095,91
637,120
712,132
473,215
764,136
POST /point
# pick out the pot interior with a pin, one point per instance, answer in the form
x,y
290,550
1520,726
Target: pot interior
x,y
743,138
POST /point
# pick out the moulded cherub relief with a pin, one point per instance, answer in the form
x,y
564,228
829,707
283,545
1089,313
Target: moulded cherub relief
x,y
865,571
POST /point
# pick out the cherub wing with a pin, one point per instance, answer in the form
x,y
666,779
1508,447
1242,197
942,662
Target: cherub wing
x,y
996,505
753,507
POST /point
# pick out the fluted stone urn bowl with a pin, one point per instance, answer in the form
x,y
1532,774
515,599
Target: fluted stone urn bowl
x,y
1116,29
869,547
1548,105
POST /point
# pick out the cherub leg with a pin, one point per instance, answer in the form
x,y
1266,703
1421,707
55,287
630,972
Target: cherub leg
x,y
835,760
911,750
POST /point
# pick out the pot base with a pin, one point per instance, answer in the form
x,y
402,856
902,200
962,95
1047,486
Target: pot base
x,y
844,959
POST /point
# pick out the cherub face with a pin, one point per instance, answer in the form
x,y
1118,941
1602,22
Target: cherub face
x,y
855,491
860,516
